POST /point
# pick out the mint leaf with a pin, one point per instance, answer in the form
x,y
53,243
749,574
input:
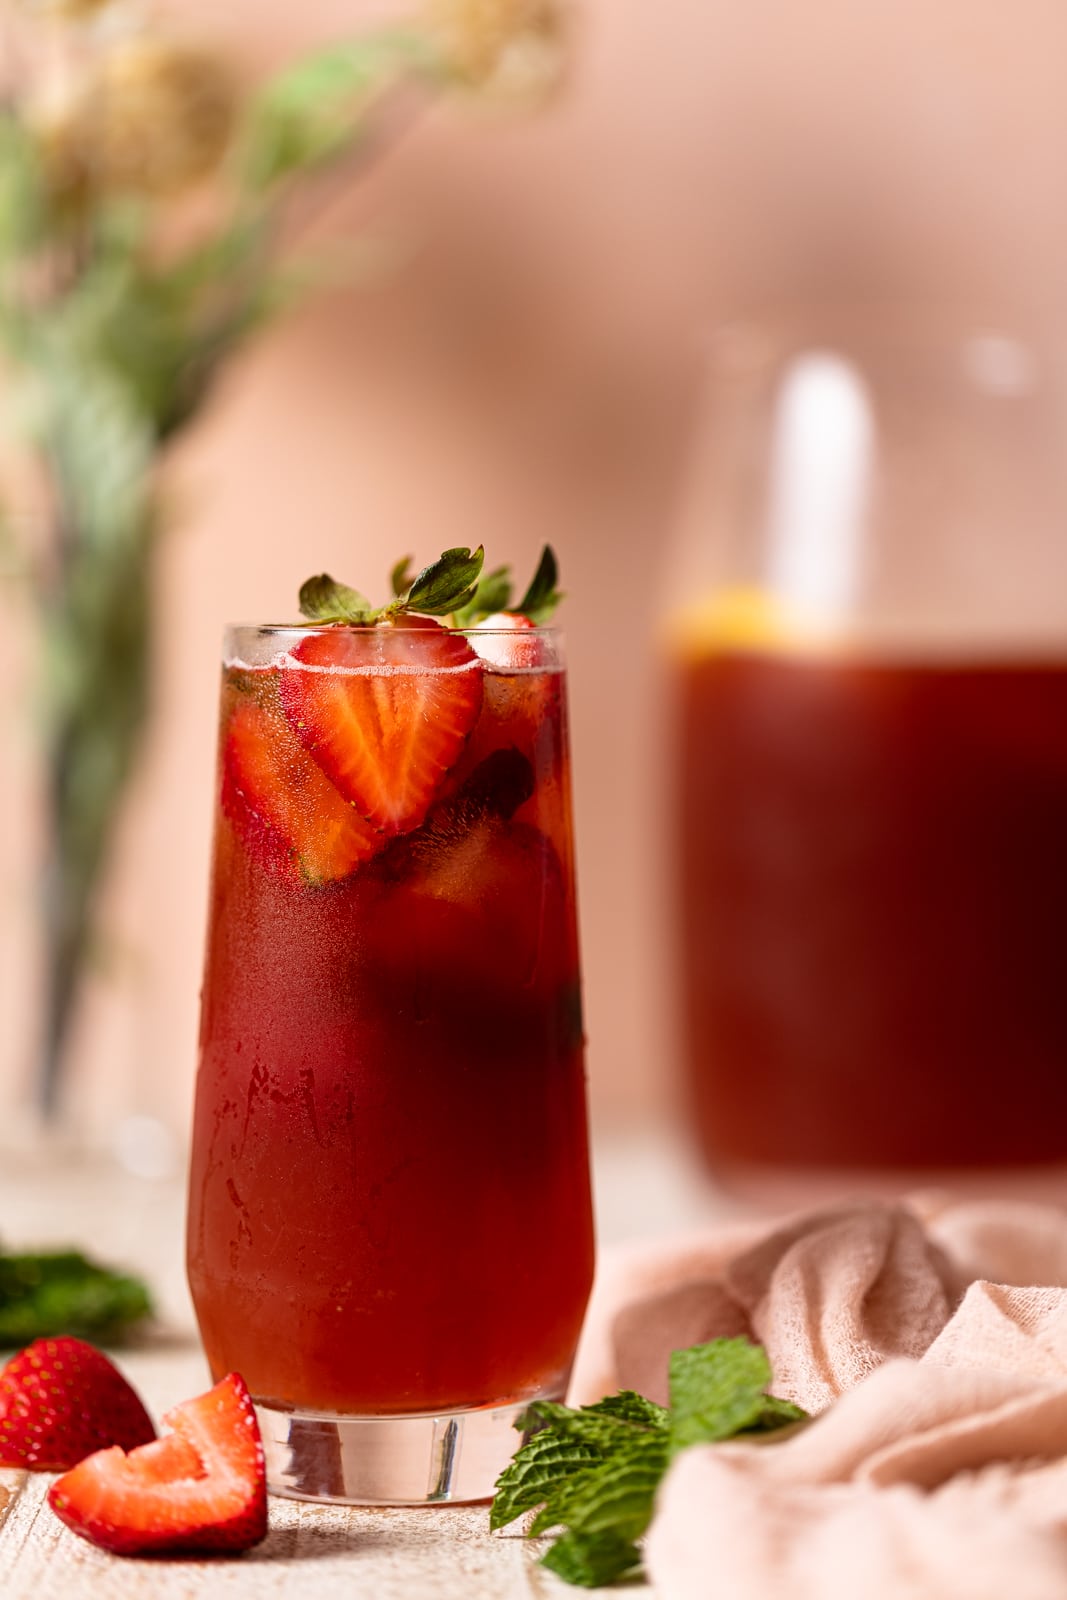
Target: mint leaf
x,y
493,594
43,1295
400,578
323,599
453,585
594,1470
447,584
629,1406
777,1414
542,597
537,1472
591,1560
613,1496
597,1426
716,1390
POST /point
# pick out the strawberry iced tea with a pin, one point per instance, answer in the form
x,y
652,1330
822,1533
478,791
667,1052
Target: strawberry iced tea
x,y
389,1205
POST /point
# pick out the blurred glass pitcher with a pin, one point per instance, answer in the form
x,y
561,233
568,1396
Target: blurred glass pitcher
x,y
872,760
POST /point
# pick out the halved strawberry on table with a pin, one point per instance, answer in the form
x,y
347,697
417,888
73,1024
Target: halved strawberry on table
x,y
281,802
61,1400
385,711
200,1488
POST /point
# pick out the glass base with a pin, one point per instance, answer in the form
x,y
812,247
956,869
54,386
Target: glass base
x,y
438,1458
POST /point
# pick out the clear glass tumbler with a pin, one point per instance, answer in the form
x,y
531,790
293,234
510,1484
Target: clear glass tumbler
x,y
871,672
390,1232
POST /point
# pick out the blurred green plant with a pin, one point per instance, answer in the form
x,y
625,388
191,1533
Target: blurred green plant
x,y
118,305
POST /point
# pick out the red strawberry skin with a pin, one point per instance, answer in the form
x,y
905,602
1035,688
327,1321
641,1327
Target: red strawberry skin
x,y
281,802
201,1488
60,1400
385,711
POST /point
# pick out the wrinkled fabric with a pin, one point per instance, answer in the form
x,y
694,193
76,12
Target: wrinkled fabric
x,y
929,1341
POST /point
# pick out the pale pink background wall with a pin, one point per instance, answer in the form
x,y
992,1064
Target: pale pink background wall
x,y
527,371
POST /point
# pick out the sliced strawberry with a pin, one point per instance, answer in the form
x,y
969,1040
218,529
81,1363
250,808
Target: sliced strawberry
x,y
203,1487
281,802
509,641
386,712
59,1401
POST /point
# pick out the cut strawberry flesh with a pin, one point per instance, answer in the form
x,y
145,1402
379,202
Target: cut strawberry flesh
x,y
509,641
281,802
202,1487
385,711
61,1400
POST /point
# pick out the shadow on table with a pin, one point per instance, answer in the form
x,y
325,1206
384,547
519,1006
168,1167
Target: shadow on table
x,y
423,1531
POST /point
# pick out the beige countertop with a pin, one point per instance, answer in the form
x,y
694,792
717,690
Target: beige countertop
x,y
363,1554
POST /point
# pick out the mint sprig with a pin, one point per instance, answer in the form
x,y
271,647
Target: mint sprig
x,y
493,594
496,592
437,591
594,1470
323,599
542,597
444,586
43,1294
452,586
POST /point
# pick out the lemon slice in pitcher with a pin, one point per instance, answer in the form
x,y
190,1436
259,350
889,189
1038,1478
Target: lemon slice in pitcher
x,y
746,619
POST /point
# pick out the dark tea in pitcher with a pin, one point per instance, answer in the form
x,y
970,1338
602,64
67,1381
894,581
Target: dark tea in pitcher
x,y
874,887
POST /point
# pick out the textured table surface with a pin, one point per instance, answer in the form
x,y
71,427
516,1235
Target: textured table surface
x,y
311,1551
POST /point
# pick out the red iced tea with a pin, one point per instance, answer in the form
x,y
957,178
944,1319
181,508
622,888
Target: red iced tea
x,y
875,890
390,1204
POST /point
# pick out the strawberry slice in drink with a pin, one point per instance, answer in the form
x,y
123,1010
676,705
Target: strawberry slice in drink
x,y
385,711
201,1487
282,804
509,641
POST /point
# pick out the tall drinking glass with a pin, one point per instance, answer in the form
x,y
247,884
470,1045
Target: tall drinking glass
x,y
390,1230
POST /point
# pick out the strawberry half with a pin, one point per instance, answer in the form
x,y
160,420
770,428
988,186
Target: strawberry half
x,y
385,711
59,1401
202,1487
509,641
282,804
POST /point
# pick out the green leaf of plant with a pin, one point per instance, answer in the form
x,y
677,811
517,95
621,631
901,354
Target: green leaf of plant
x,y
594,1470
323,599
493,594
43,1295
716,1390
628,1406
536,1472
608,1429
592,1560
615,1495
447,583
776,1414
314,111
542,597
400,578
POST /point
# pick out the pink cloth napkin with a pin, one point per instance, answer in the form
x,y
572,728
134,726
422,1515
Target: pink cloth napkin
x,y
932,1339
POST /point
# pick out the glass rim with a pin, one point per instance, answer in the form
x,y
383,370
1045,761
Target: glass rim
x,y
272,629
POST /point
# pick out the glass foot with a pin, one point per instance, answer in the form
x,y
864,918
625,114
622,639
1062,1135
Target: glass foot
x,y
433,1459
